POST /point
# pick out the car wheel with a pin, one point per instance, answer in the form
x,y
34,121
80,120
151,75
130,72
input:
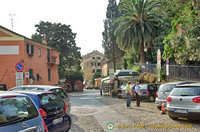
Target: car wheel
x,y
173,118
159,107
151,99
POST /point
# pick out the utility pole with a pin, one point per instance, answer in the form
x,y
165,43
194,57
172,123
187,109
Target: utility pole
x,y
11,18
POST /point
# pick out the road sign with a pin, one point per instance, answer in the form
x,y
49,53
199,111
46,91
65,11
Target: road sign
x,y
19,82
167,69
19,66
167,61
19,75
26,74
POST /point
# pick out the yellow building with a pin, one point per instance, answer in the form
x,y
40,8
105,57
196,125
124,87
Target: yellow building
x,y
91,63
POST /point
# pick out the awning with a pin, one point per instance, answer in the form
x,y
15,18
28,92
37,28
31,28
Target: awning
x,y
126,73
105,79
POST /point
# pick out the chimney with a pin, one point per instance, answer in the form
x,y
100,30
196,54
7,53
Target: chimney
x,y
44,41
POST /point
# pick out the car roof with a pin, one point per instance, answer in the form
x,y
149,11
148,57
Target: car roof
x,y
33,92
8,93
191,84
46,87
179,82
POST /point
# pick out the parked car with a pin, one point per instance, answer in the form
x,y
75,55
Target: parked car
x,y
164,91
184,101
123,91
18,113
52,108
148,91
59,90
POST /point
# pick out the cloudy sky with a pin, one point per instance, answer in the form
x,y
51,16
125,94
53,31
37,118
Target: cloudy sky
x,y
85,17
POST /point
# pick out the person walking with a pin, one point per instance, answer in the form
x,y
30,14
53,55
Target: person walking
x,y
128,94
137,93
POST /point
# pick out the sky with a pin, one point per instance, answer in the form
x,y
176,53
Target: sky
x,y
85,17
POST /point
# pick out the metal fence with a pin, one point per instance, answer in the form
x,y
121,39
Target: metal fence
x,y
179,72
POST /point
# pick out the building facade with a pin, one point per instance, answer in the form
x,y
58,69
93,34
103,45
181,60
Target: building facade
x,y
92,63
40,61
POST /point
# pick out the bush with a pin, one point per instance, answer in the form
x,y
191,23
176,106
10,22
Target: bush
x,y
137,69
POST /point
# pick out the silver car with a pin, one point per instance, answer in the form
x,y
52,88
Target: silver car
x,y
184,101
164,91
123,91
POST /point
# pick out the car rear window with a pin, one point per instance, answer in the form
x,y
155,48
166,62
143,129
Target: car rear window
x,y
50,101
166,87
16,109
60,92
143,87
185,91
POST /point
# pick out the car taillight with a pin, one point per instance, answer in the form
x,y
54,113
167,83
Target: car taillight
x,y
196,100
169,99
48,92
65,107
156,94
45,126
10,96
147,92
42,113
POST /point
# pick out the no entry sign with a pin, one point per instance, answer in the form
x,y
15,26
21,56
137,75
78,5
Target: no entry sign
x,y
19,66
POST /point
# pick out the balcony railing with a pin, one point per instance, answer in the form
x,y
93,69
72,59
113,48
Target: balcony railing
x,y
51,59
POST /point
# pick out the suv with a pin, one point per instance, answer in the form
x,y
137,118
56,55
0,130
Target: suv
x,y
184,101
52,109
59,90
19,113
164,91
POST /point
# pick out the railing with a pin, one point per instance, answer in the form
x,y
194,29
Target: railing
x,y
179,72
51,59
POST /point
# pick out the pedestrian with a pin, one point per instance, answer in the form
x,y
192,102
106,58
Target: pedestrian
x,y
128,94
137,93
101,87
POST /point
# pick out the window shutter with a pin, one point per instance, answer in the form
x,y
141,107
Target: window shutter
x,y
49,74
32,49
27,48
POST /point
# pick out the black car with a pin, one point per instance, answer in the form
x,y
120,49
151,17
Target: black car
x,y
148,91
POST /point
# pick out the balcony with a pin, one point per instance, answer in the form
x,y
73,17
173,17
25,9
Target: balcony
x,y
51,59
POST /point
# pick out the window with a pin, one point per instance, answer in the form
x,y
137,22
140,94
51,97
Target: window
x,y
49,74
93,70
48,52
12,107
30,49
39,52
93,58
99,58
98,70
99,64
91,63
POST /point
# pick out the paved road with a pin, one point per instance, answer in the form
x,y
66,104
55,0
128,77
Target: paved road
x,y
92,112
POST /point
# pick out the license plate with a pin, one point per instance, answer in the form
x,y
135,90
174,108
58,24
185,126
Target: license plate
x,y
181,111
57,120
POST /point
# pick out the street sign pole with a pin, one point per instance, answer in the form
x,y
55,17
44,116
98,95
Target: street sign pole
x,y
167,68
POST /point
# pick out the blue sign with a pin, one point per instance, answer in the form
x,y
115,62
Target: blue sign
x,y
19,66
167,61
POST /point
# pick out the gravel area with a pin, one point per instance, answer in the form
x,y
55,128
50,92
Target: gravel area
x,y
148,118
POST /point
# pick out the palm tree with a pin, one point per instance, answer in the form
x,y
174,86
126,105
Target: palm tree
x,y
136,27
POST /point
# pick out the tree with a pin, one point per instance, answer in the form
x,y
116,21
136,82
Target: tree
x,y
109,41
60,37
137,26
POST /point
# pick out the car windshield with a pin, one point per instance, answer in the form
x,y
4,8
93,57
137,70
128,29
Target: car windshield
x,y
60,92
143,87
166,87
16,109
185,91
50,101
